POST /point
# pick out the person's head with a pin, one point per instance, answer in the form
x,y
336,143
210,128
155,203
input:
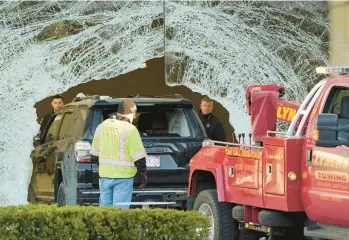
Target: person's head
x,y
127,109
206,105
57,102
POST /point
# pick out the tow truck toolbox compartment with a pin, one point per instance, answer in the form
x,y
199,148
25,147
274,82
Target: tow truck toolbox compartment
x,y
280,190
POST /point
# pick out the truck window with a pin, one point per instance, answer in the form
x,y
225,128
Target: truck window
x,y
157,121
163,122
53,129
333,102
337,103
65,124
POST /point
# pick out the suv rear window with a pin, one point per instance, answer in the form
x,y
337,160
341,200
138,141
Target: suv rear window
x,y
160,121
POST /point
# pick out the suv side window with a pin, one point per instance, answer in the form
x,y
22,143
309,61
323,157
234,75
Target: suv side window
x,y
64,125
53,129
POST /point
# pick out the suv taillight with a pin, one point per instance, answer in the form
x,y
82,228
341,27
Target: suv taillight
x,y
82,152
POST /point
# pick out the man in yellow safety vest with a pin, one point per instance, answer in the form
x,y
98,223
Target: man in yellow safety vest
x,y
118,148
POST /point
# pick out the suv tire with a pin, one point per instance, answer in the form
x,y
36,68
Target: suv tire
x,y
61,200
31,195
224,226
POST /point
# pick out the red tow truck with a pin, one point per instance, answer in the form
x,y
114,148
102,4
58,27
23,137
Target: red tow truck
x,y
287,185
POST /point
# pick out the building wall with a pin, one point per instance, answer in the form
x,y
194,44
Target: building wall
x,y
339,32
146,81
150,80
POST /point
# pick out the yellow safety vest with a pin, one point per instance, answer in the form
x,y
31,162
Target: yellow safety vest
x,y
118,145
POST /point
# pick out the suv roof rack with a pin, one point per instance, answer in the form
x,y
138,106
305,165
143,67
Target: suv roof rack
x,y
175,96
139,96
93,97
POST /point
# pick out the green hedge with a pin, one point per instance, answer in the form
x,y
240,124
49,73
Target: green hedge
x,y
79,222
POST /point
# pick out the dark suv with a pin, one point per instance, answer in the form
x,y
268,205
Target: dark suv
x,y
63,173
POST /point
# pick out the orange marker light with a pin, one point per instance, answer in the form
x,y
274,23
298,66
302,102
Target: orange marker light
x,y
316,135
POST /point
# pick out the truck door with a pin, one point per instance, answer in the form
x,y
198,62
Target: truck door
x,y
44,154
54,161
325,170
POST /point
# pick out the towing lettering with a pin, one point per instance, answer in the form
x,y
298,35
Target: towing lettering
x,y
243,153
332,176
331,161
286,113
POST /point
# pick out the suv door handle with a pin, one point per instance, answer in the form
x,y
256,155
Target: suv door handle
x,y
309,157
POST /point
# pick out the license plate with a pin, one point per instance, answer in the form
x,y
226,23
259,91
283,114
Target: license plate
x,y
153,161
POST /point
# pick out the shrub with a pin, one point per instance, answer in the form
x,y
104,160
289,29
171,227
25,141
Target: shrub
x,y
81,222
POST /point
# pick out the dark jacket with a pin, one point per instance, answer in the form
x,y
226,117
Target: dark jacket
x,y
213,127
45,122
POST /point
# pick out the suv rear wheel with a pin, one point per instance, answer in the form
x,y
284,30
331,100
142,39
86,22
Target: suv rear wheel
x,y
223,226
61,201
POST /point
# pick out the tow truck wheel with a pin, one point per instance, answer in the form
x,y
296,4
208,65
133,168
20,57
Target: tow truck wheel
x,y
61,201
223,226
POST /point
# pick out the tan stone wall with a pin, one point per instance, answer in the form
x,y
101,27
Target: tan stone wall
x,y
147,81
339,32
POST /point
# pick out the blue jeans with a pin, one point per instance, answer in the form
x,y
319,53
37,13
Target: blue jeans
x,y
115,190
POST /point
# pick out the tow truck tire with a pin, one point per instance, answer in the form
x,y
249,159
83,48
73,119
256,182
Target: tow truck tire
x,y
61,200
225,227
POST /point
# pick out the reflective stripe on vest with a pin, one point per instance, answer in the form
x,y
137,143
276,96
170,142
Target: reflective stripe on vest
x,y
138,155
116,163
122,144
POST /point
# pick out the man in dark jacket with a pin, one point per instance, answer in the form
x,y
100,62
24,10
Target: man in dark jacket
x,y
214,128
56,103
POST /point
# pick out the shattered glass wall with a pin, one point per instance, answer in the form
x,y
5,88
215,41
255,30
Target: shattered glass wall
x,y
49,47
215,48
218,48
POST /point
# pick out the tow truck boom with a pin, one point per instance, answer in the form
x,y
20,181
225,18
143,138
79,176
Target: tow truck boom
x,y
268,107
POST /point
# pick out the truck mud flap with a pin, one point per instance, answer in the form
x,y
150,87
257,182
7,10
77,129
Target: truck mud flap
x,y
190,203
326,231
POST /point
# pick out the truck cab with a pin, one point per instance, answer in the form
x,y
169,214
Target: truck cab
x,y
287,185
